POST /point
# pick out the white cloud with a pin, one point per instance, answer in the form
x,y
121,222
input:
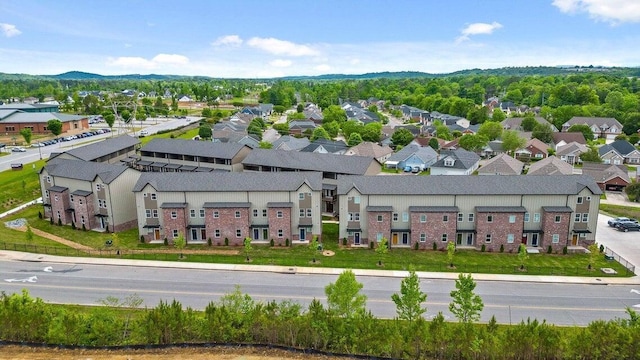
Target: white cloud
x,y
612,11
281,63
322,68
9,30
478,29
281,47
230,40
170,59
354,61
136,62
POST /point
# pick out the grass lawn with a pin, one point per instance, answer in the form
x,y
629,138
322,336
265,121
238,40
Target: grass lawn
x,y
19,186
619,210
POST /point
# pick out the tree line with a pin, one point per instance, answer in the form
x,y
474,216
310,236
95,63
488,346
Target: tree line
x,y
342,326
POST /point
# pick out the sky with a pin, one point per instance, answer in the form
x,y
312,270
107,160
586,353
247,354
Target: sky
x,y
275,38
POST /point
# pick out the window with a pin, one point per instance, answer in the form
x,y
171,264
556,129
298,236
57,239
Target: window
x,y
174,214
510,238
237,214
81,219
580,200
536,217
201,213
102,204
354,216
192,213
216,233
145,194
487,238
526,217
175,233
216,214
405,217
255,212
558,218
154,197
380,218
423,237
555,238
576,217
71,197
512,219
46,194
301,196
280,233
588,198
49,179
395,216
423,218
55,197
279,214
489,218
444,237
301,212
460,217
379,237
356,199
471,217
445,218
80,201
97,187
238,233
155,213
585,217
264,212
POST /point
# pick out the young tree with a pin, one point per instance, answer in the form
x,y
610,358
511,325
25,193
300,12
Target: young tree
x,y
382,249
401,137
313,247
466,306
512,141
523,255
354,139
247,247
110,119
592,155
529,122
584,129
471,142
334,113
205,131
491,130
543,133
451,251
55,126
180,243
498,115
26,134
344,298
265,145
593,254
320,133
409,301
29,233
434,144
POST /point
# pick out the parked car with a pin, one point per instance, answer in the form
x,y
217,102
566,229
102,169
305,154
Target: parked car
x,y
144,132
628,226
18,149
620,223
613,222
407,169
38,144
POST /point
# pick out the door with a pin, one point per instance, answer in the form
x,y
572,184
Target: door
x,y
394,238
534,239
203,234
405,239
459,238
256,234
470,239
156,234
101,223
194,234
265,234
574,240
303,234
356,238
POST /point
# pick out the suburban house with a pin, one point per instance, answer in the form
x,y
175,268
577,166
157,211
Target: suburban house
x,y
229,207
329,165
110,150
371,149
456,162
12,121
477,212
619,152
515,123
571,152
607,176
189,155
291,143
493,148
299,127
412,156
550,166
564,138
533,149
324,146
502,164
90,195
606,128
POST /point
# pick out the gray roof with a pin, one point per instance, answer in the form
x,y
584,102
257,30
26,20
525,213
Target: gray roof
x,y
463,159
380,208
329,145
501,209
468,185
550,166
502,164
564,209
228,181
426,154
39,117
57,188
287,142
437,209
308,161
226,205
81,193
107,146
279,204
193,148
84,170
623,147
173,205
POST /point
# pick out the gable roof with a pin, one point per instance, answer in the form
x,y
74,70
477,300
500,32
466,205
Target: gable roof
x,y
602,173
601,122
502,164
606,148
515,123
467,185
84,170
194,148
370,149
287,142
426,153
537,144
623,147
102,148
228,181
572,148
568,137
309,161
329,145
463,159
551,165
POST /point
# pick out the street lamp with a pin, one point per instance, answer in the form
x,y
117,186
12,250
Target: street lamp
x,y
39,149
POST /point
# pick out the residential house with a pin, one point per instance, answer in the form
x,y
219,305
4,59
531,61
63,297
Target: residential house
x,y
608,177
493,148
226,208
412,156
301,127
110,150
515,123
324,146
533,149
501,164
424,141
456,162
550,166
90,195
291,143
487,212
606,128
188,155
330,165
571,152
564,138
370,149
618,152
610,155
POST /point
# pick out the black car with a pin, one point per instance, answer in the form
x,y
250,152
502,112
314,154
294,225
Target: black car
x,y
628,226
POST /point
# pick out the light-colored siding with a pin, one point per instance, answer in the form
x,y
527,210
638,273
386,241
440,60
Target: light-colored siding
x,y
120,200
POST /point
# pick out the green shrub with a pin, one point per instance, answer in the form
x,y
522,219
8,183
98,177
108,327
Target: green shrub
x,y
344,241
271,242
39,214
501,248
371,245
549,250
601,248
106,228
166,241
84,227
483,248
142,239
209,242
565,250
286,242
435,246
416,246
226,241
73,225
59,221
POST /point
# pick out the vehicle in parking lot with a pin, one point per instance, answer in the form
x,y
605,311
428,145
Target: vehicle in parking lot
x,y
18,149
144,132
407,169
628,226
38,144
614,221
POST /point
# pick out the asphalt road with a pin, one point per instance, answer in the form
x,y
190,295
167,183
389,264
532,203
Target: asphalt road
x,y
510,302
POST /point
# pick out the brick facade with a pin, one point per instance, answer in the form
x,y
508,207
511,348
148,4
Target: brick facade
x,y
501,229
280,223
84,206
551,227
171,224
374,226
434,227
59,205
227,224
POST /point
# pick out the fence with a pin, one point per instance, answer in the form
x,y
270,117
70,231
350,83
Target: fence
x,y
612,255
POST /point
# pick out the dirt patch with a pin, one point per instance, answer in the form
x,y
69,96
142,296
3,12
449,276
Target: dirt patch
x,y
24,353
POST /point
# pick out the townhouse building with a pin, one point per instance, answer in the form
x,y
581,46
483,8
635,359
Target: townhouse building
x,y
229,207
96,196
110,150
474,211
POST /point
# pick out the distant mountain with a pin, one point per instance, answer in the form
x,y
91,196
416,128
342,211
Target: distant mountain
x,y
79,75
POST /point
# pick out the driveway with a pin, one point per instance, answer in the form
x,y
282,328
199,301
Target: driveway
x,y
625,244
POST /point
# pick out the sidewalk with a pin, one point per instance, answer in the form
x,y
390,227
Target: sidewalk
x,y
29,257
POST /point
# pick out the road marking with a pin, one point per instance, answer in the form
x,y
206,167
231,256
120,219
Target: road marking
x,y
30,279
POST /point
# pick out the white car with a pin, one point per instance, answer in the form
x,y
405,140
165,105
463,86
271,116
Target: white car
x,y
18,149
144,132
